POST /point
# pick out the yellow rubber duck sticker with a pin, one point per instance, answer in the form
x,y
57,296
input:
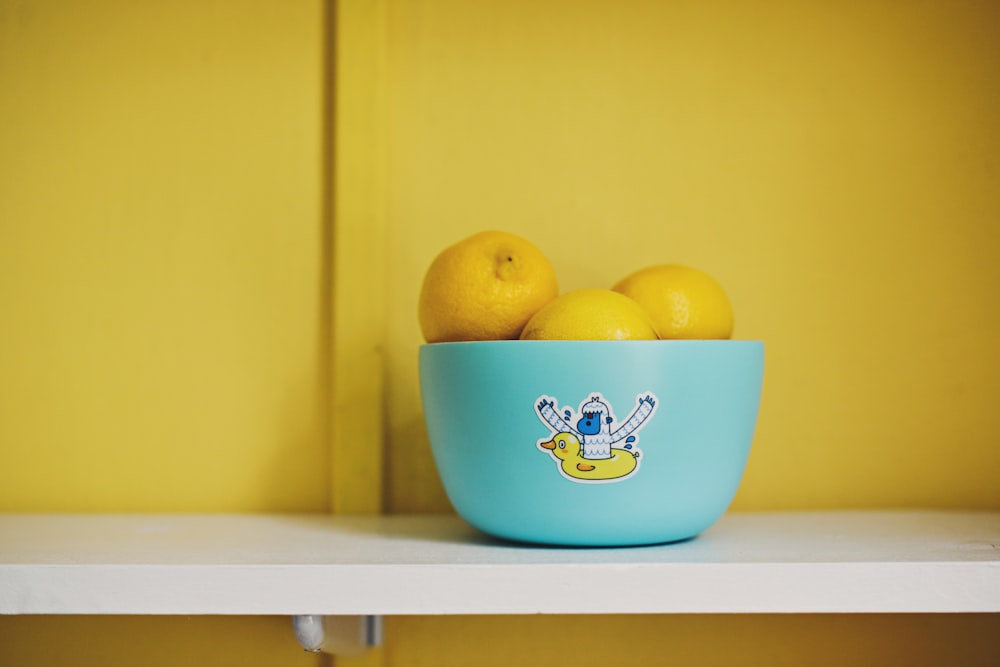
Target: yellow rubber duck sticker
x,y
589,444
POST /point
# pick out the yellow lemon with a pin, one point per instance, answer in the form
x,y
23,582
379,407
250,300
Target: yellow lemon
x,y
590,314
485,287
682,302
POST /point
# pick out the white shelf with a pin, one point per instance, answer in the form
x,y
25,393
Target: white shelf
x,y
897,561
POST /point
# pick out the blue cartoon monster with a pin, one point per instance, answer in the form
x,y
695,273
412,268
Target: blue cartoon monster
x,y
595,428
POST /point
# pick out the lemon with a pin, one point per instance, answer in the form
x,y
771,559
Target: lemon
x,y
590,314
682,302
485,287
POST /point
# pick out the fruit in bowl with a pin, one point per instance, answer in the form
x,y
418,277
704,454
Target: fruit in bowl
x,y
590,314
485,287
592,429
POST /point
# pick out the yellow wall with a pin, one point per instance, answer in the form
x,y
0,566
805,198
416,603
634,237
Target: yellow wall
x,y
161,256
834,165
166,250
162,307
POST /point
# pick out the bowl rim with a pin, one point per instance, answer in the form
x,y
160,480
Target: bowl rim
x,y
658,342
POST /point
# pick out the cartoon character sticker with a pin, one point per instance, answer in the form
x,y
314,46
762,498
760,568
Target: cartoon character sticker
x,y
590,445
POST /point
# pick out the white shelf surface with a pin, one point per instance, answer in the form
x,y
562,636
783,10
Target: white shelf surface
x,y
864,561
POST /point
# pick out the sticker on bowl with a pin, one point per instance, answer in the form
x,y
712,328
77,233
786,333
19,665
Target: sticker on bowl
x,y
590,445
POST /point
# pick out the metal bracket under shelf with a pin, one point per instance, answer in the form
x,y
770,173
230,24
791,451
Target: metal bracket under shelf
x,y
338,635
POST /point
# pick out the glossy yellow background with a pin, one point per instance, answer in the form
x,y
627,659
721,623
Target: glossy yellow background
x,y
194,278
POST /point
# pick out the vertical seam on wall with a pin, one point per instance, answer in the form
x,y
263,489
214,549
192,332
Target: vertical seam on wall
x,y
358,181
327,176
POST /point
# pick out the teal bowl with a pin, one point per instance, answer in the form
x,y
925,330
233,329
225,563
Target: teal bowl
x,y
591,443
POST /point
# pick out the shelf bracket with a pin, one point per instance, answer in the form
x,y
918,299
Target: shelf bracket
x,y
337,635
